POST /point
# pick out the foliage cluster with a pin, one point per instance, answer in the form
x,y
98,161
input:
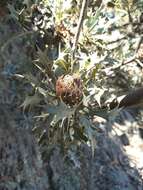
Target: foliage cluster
x,y
106,62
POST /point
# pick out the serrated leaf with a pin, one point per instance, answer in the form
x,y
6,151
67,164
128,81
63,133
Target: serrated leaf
x,y
113,114
96,18
31,101
43,57
98,96
27,3
60,111
86,100
13,12
89,131
32,79
79,134
42,91
62,63
95,70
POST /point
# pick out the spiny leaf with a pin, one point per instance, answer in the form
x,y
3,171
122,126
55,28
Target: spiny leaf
x,y
42,91
13,12
79,134
43,58
97,93
32,79
62,63
60,111
84,121
31,101
98,96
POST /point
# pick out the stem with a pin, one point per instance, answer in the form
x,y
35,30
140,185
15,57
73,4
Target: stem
x,y
80,23
129,13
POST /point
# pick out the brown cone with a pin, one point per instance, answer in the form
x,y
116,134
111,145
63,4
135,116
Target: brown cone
x,y
69,89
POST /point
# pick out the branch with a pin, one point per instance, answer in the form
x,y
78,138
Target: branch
x,y
129,13
81,18
133,98
129,60
117,40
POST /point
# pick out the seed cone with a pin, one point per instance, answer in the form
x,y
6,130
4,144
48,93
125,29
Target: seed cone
x,y
69,89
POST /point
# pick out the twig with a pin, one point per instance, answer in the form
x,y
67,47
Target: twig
x,y
139,62
134,58
138,44
130,60
81,18
117,40
129,13
132,99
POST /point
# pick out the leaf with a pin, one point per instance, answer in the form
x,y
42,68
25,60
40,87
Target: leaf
x,y
86,100
42,91
28,3
43,115
98,96
62,63
113,114
43,59
95,70
32,79
60,111
89,131
63,60
13,12
31,101
96,18
79,134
